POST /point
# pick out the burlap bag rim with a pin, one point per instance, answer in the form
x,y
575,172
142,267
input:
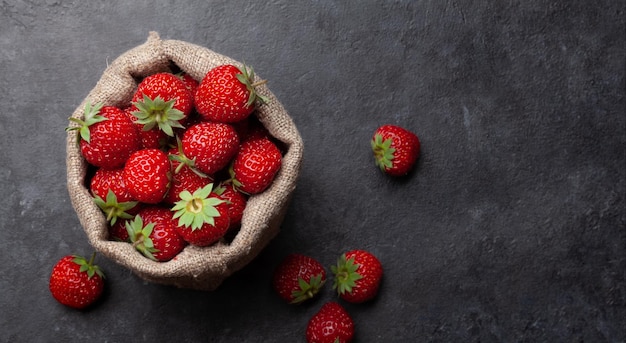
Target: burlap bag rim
x,y
195,268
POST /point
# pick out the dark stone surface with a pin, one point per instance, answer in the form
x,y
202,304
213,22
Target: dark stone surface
x,y
511,229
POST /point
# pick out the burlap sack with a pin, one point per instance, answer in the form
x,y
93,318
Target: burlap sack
x,y
195,268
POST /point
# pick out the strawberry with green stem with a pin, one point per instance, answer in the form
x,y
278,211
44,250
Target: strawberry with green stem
x,y
331,324
255,165
107,137
298,278
153,233
163,101
228,94
210,145
76,282
110,194
358,275
395,149
202,216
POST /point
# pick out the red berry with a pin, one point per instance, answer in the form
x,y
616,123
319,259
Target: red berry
x,y
358,274
118,232
298,278
256,165
147,175
210,145
251,128
332,324
226,94
190,82
105,180
236,201
202,216
153,233
111,195
107,136
76,282
162,101
395,149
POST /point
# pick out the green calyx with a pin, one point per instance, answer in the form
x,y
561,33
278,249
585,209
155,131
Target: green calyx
x,y
233,180
247,78
184,160
345,274
140,236
194,210
114,209
158,113
90,117
383,151
88,266
307,290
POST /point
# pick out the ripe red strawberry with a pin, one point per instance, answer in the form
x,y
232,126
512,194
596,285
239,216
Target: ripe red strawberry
x,y
236,201
190,82
76,282
395,149
162,100
331,324
210,145
226,94
184,176
107,136
251,128
110,194
118,232
153,233
298,278
357,276
256,165
147,175
202,216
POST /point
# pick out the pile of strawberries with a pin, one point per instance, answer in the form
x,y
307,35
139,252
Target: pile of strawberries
x,y
357,278
177,164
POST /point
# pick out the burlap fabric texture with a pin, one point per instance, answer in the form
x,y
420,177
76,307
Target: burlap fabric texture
x,y
195,268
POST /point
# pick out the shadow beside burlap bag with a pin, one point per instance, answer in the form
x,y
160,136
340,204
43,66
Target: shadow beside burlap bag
x,y
195,268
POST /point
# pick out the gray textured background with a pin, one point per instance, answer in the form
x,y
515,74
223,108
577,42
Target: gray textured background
x,y
512,228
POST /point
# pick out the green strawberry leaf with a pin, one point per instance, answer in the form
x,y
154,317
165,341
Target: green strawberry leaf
x,y
114,209
88,266
140,236
90,117
184,160
307,290
158,113
345,274
383,151
247,78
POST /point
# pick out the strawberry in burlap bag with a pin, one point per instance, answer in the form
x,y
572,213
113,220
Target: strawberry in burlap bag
x,y
202,268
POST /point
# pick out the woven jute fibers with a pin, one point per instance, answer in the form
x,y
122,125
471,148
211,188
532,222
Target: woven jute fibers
x,y
196,268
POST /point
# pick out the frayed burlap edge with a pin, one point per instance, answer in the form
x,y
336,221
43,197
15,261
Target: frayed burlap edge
x,y
194,268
